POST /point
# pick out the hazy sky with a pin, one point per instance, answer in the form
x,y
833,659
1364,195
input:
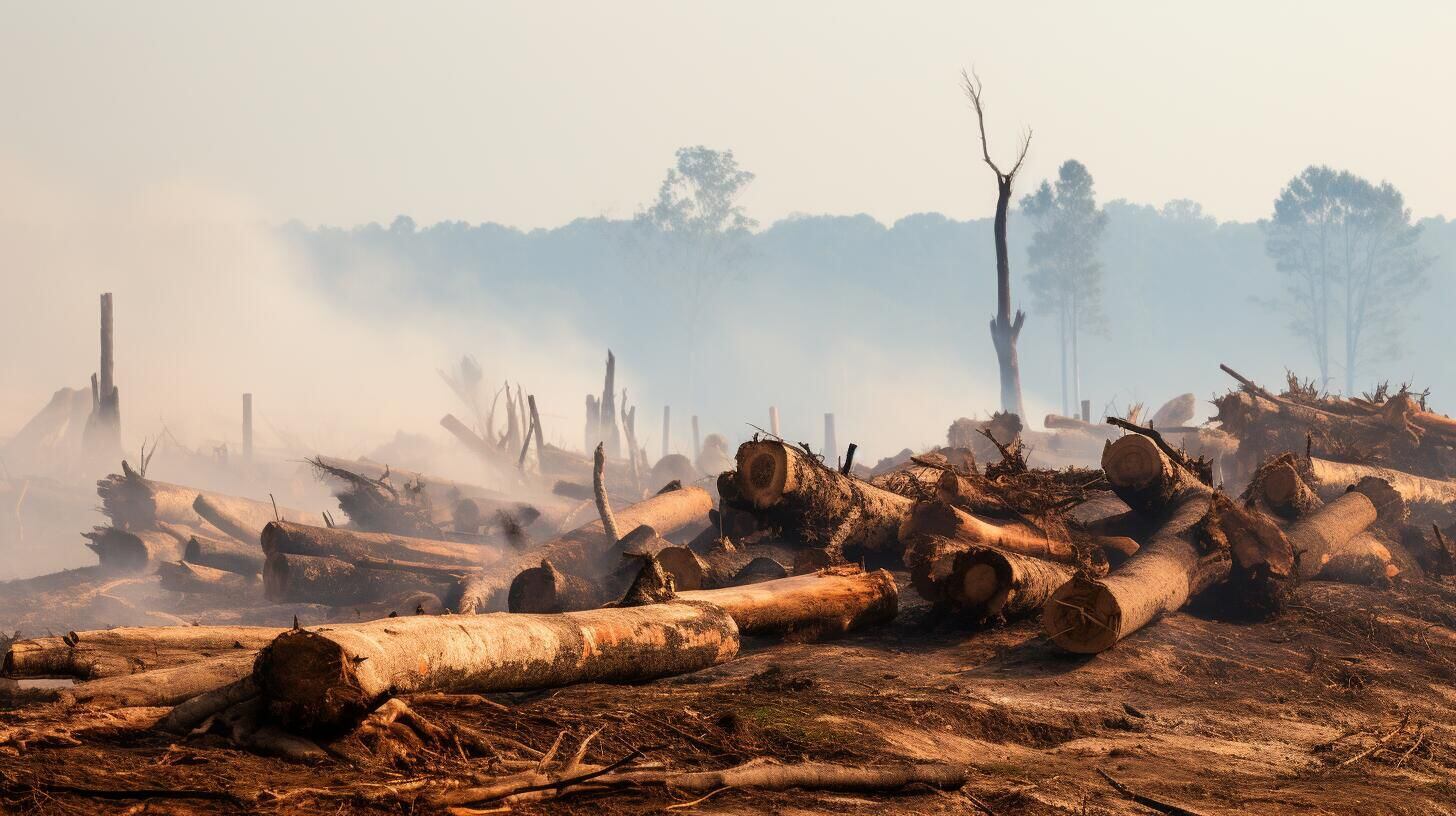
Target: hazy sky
x,y
534,113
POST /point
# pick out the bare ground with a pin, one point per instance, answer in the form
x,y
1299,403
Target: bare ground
x,y
1341,705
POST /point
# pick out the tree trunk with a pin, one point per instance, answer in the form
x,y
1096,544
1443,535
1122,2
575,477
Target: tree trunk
x,y
196,579
545,589
92,655
1005,329
135,551
785,488
610,436
1284,491
362,548
294,578
1144,477
1331,479
586,551
1056,422
1089,616
1332,543
983,582
721,565
242,519
824,603
165,686
224,554
329,678
940,520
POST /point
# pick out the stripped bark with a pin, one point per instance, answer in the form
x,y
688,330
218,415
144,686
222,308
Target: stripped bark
x,y
820,604
1331,479
938,519
330,677
92,655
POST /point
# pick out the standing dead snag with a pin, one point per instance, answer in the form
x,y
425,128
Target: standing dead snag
x,y
1004,329
330,677
786,487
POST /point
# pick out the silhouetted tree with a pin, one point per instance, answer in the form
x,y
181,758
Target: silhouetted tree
x,y
1066,277
1004,329
1345,245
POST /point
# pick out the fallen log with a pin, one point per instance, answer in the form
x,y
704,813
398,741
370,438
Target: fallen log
x,y
1331,479
328,678
1089,616
134,502
165,686
1058,422
586,551
196,579
1284,490
134,551
1200,536
294,578
938,519
359,548
820,604
1175,412
1334,543
722,564
92,655
788,489
243,519
224,554
981,581
545,589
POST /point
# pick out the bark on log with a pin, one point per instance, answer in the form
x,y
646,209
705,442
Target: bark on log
x,y
361,548
166,686
1089,616
721,565
545,589
242,519
136,503
136,551
586,551
224,554
938,519
1368,560
1333,543
1331,479
984,582
293,578
330,677
92,655
820,604
823,507
197,579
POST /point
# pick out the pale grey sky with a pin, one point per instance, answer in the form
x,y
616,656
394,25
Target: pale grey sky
x,y
533,113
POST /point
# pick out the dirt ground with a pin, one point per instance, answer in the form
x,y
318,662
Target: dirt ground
x,y
1340,705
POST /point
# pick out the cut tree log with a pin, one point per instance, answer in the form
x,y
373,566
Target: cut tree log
x,y
1331,479
243,519
294,578
545,589
136,551
367,548
1334,543
587,552
165,686
941,520
224,554
786,488
820,604
722,564
92,655
1089,616
983,582
1284,490
133,502
328,678
1201,535
196,579
1057,422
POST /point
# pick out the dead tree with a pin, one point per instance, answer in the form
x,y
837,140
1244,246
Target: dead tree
x,y
1004,328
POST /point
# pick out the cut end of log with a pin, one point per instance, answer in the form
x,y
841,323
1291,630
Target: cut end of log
x,y
1281,485
763,473
291,671
687,569
1082,617
982,588
1133,461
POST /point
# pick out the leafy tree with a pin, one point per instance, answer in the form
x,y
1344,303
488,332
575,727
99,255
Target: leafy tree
x,y
1066,277
697,232
1350,257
